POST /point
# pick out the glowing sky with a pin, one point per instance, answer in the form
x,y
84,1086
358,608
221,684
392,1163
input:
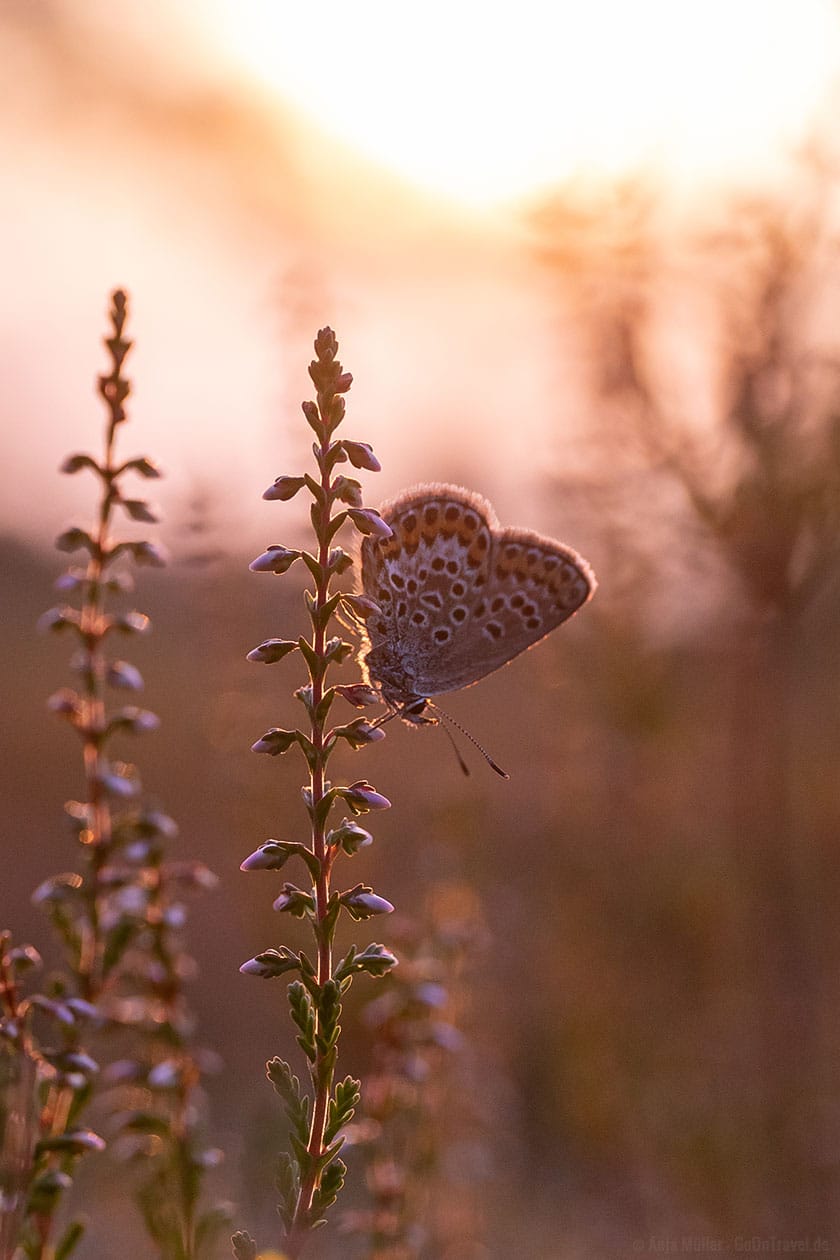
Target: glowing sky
x,y
482,103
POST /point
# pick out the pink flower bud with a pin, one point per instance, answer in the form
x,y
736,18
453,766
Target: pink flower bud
x,y
361,455
363,903
275,559
275,741
368,521
362,605
284,488
361,797
358,733
271,650
358,694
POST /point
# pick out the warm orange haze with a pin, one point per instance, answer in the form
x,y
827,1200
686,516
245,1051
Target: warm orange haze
x,y
582,259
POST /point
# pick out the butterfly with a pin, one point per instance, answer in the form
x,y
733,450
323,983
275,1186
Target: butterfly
x,y
457,595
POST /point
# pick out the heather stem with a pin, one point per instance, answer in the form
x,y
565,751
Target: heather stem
x,y
323,1079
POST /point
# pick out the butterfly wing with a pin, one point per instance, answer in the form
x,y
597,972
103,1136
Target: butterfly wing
x,y
459,597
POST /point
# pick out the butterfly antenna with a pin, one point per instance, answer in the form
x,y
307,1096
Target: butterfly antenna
x,y
464,767
485,754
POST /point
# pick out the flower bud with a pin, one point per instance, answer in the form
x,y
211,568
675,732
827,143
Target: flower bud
x,y
350,836
145,467
131,622
275,741
362,797
124,676
59,619
271,963
270,856
65,703
326,343
348,489
72,580
272,650
363,903
358,694
275,559
295,901
284,488
146,553
339,561
136,721
140,510
358,733
74,463
362,605
361,455
368,521
73,539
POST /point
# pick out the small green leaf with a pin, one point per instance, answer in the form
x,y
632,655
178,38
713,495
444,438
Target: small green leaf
x,y
342,1107
303,1015
329,1188
287,1182
72,1235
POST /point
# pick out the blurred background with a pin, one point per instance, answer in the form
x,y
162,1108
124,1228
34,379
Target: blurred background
x,y
586,262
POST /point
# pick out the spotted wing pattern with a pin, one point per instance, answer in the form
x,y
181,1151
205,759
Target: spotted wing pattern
x,y
459,596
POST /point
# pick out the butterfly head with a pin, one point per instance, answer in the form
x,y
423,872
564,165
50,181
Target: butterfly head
x,y
386,672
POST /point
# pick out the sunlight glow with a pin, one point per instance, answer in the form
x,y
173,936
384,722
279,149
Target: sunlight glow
x,y
483,104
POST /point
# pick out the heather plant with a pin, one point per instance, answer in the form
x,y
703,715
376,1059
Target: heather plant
x,y
18,1078
117,916
311,1174
410,1114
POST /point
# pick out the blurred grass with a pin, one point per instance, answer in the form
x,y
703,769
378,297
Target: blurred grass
x,y
657,1073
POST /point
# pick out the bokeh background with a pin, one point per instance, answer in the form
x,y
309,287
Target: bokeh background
x,y
586,262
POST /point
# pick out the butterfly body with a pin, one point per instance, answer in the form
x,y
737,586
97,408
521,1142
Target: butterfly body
x,y
457,595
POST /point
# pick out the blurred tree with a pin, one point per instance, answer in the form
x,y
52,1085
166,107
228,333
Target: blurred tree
x,y
715,371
